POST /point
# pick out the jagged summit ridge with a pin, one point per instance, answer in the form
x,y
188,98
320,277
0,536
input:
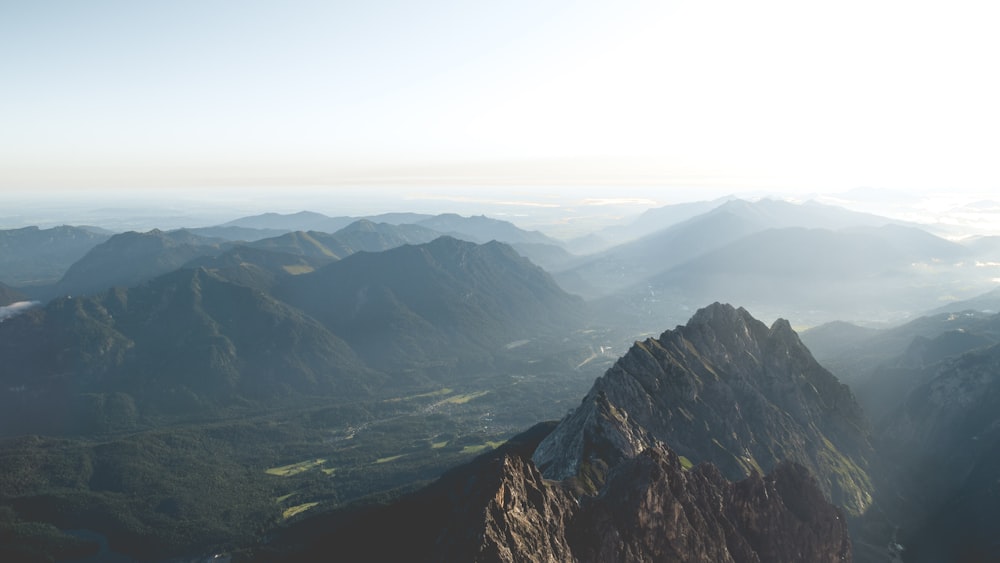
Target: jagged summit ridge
x,y
725,389
499,508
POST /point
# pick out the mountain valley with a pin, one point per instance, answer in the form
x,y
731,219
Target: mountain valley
x,y
281,385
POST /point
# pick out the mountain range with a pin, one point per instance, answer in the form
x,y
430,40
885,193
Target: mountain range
x,y
930,387
84,261
721,440
319,359
883,366
810,262
691,230
854,272
130,258
122,412
434,304
187,341
475,229
733,398
196,338
31,256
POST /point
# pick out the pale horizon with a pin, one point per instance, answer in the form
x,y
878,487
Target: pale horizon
x,y
778,96
561,211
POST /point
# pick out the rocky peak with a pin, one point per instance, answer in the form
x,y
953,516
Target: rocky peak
x,y
361,225
498,508
524,518
595,436
723,329
725,389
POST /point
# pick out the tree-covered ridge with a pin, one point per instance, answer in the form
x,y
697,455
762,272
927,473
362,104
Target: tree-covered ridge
x,y
31,256
437,304
187,340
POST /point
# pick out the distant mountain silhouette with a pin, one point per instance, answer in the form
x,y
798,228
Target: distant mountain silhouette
x,y
777,214
361,235
128,259
234,233
878,274
483,229
301,221
33,256
479,229
629,264
367,236
260,264
988,302
796,255
649,222
632,263
311,221
883,366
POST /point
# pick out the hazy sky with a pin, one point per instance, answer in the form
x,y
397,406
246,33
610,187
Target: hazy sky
x,y
798,94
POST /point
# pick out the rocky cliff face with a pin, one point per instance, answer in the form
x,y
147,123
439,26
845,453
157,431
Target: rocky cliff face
x,y
724,389
515,516
653,510
500,509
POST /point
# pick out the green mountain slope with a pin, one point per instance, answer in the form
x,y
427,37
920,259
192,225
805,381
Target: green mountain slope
x,y
434,304
254,267
185,342
131,258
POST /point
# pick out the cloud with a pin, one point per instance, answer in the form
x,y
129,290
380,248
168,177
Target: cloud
x,y
15,309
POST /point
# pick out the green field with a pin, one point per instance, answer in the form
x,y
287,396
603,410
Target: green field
x,y
438,393
479,448
464,398
297,270
686,463
295,468
297,509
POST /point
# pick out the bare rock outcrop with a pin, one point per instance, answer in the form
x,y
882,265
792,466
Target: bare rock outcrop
x,y
499,509
724,389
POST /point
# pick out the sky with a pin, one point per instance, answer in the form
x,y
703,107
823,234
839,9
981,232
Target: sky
x,y
699,97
